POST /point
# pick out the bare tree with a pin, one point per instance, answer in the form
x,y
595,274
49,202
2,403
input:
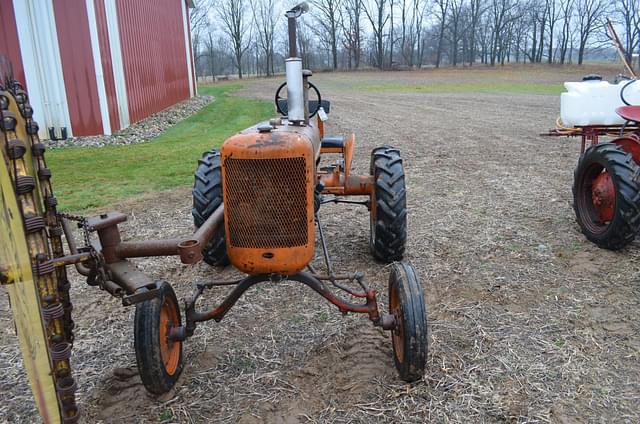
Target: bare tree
x,y
539,20
391,36
411,20
629,16
305,43
378,18
553,15
566,10
588,13
503,13
420,9
476,9
328,20
211,53
455,19
198,24
266,14
350,33
352,30
441,16
237,27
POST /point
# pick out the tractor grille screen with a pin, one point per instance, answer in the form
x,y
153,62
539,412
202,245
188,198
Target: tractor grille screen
x,y
266,202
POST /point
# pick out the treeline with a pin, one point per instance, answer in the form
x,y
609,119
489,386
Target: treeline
x,y
249,36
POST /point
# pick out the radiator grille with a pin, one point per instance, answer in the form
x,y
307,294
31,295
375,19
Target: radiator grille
x,y
266,202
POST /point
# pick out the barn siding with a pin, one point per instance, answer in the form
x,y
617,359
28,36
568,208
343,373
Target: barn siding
x,y
194,78
154,55
40,51
107,70
144,59
9,43
78,67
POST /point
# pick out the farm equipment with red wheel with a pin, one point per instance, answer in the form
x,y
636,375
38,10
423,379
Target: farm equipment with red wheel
x,y
606,186
256,205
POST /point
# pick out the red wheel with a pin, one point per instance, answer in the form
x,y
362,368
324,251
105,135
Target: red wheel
x,y
409,337
606,196
159,358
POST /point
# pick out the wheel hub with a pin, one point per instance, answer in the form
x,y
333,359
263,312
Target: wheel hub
x,y
603,196
398,330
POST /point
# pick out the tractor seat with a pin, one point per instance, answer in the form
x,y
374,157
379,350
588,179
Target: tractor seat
x,y
333,142
630,113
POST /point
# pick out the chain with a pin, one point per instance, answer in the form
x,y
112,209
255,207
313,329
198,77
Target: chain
x,y
83,223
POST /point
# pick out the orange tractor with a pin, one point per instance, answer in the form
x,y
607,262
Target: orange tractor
x,y
256,205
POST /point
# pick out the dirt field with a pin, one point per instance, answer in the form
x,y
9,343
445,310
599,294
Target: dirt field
x,y
529,322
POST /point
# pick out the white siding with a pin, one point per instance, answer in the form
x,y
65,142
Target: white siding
x,y
97,61
116,62
38,38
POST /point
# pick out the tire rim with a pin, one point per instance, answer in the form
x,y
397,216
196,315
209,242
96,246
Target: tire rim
x,y
596,201
170,349
397,334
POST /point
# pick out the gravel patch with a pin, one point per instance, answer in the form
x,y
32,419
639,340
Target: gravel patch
x,y
141,131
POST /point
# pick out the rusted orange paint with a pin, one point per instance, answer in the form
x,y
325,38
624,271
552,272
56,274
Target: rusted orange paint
x,y
284,142
169,349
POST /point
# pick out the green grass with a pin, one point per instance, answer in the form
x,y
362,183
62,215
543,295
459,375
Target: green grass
x,y
94,177
166,415
484,87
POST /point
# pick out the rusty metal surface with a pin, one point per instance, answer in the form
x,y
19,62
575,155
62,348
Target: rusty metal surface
x,y
9,44
105,58
127,276
78,68
206,230
72,259
114,250
154,55
106,220
142,248
311,280
267,202
269,198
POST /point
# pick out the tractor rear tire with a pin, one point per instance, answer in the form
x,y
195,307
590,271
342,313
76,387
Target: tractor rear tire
x,y
615,227
160,360
388,222
207,196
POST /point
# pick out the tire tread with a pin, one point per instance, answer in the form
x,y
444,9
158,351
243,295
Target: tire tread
x,y
389,226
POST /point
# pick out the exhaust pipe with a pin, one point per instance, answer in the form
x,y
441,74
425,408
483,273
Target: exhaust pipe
x,y
293,67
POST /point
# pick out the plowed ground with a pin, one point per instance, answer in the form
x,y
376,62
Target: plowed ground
x,y
529,322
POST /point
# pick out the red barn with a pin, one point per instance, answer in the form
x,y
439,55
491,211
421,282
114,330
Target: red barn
x,y
96,66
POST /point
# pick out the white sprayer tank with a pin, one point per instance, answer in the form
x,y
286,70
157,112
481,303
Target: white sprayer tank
x,y
595,102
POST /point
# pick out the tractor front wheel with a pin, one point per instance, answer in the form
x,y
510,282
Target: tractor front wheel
x,y
606,196
388,214
159,358
207,196
410,336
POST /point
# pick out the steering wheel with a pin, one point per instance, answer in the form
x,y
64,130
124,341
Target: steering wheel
x,y
311,86
624,100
